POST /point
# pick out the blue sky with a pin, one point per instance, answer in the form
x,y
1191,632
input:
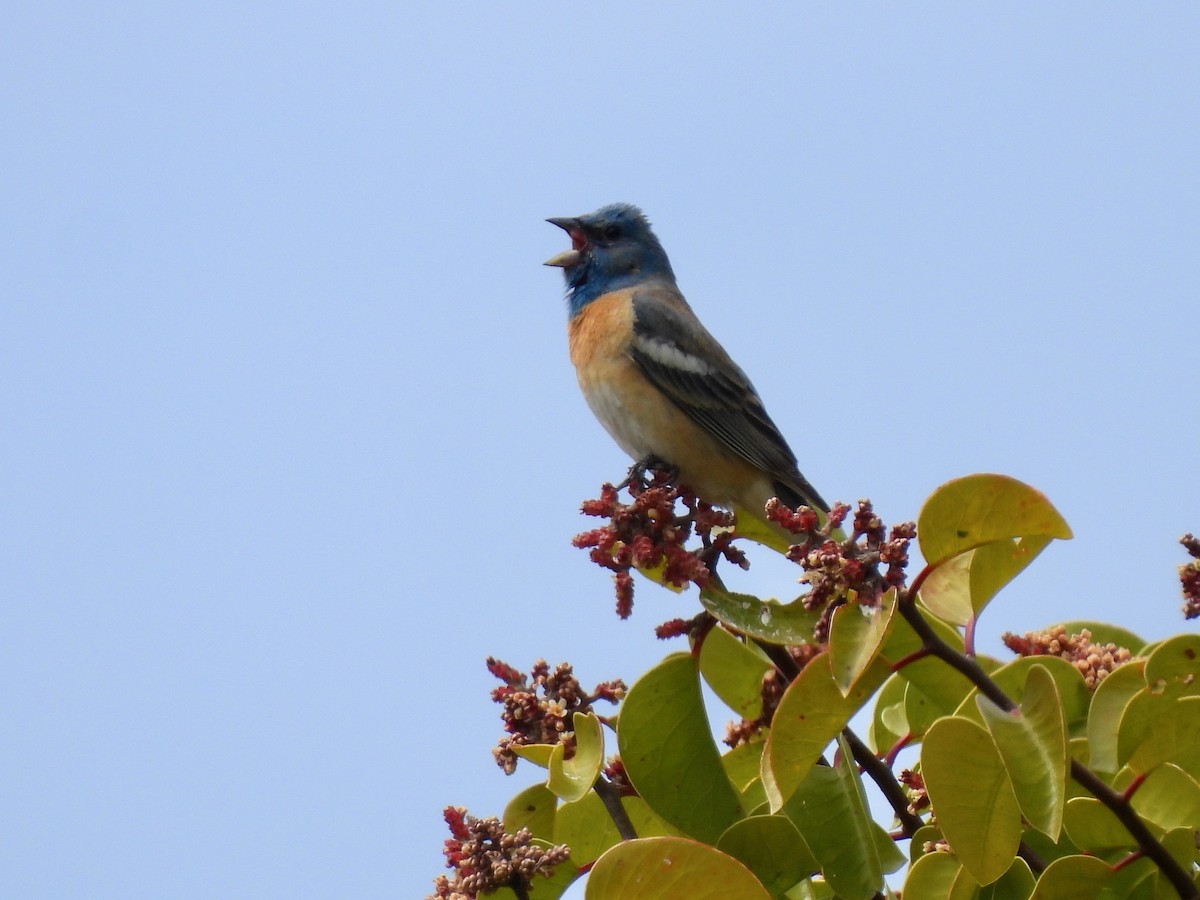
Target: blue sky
x,y
291,439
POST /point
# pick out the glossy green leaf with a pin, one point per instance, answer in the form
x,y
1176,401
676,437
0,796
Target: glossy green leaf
x,y
1091,826
1032,741
1169,797
669,754
1149,706
969,512
1015,884
940,876
1176,659
888,723
1174,738
742,764
902,640
1108,705
960,588
1072,878
811,713
772,848
972,796
920,711
734,670
925,835
935,690
856,637
571,778
533,808
830,810
751,526
1073,692
538,754
671,868
768,620
587,828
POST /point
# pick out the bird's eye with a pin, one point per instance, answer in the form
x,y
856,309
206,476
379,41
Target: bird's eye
x,y
612,232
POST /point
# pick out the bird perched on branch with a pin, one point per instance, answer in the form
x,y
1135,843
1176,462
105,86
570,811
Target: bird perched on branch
x,y
657,380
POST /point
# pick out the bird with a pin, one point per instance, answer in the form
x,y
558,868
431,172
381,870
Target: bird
x,y
657,380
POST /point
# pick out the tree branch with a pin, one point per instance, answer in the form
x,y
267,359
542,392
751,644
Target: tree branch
x,y
611,798
885,780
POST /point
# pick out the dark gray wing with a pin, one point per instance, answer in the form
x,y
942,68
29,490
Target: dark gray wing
x,y
680,357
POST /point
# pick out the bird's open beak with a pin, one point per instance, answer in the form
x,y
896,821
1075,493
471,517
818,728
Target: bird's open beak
x,y
574,256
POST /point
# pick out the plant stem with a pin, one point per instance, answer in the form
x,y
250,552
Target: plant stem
x,y
611,798
885,780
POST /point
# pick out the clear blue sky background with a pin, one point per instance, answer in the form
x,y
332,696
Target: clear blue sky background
x,y
291,442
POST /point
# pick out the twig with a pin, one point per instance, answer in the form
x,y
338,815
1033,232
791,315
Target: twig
x,y
885,780
611,798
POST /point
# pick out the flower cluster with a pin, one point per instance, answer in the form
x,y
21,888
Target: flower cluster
x,y
485,858
649,534
869,562
1094,661
614,771
1189,577
538,707
774,683
914,784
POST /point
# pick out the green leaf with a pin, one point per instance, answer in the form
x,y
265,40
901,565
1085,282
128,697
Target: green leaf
x,y
768,620
538,754
1032,741
772,848
1072,878
1011,678
811,713
829,808
1108,705
959,589
1174,738
1093,827
888,723
571,778
968,512
939,876
587,828
667,747
1015,884
972,797
1170,798
1175,660
935,690
742,764
1158,700
856,637
533,808
671,868
734,670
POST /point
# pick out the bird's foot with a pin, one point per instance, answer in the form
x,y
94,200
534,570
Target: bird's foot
x,y
638,473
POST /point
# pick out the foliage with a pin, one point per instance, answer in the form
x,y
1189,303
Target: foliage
x,y
1070,772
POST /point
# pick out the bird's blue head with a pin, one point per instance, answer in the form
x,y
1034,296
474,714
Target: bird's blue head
x,y
611,249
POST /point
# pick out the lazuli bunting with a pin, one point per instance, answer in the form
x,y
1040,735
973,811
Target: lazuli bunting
x,y
657,380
